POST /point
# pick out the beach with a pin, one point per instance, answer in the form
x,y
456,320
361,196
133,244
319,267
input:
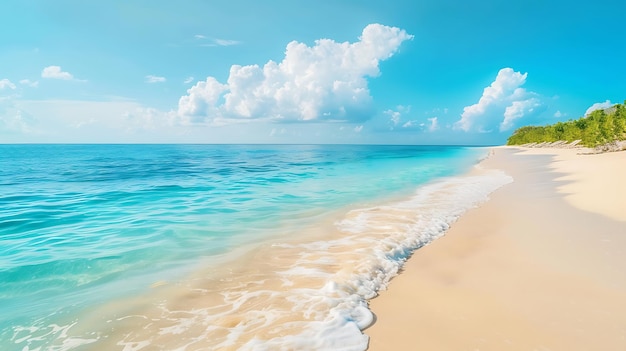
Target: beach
x,y
540,266
271,247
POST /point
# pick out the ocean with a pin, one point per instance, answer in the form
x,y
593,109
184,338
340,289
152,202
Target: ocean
x,y
216,247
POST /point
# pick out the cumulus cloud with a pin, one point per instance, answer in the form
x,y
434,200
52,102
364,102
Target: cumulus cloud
x,y
559,114
598,106
326,81
503,102
503,87
517,110
202,100
154,79
188,80
55,72
5,83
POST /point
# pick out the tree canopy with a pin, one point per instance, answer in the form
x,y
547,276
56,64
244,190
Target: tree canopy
x,y
597,128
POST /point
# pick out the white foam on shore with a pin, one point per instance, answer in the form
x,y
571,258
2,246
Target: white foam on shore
x,y
36,334
375,244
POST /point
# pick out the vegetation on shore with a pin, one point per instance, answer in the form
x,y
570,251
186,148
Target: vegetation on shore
x,y
597,128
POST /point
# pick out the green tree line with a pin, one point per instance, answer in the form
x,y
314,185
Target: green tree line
x,y
597,128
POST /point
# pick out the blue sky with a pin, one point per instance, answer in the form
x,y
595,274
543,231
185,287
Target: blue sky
x,y
395,72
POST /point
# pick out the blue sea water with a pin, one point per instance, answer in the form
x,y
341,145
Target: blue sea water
x,y
83,225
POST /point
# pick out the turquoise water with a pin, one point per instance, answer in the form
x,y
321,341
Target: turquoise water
x,y
84,224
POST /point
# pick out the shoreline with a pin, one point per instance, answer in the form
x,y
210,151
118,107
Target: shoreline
x,y
538,266
282,257
303,292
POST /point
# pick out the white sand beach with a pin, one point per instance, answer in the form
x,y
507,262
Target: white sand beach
x,y
540,266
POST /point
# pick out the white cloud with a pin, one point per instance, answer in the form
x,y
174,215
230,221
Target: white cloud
x,y
559,114
28,82
396,116
358,129
434,124
5,83
55,72
206,41
154,79
225,42
188,80
517,110
598,106
408,124
501,103
201,100
323,81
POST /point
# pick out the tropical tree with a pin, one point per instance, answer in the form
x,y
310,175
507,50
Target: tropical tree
x,y
599,127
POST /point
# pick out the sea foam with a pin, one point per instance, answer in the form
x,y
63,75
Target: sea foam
x,y
376,243
373,245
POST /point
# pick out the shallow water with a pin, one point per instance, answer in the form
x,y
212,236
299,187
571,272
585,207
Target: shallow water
x,y
197,247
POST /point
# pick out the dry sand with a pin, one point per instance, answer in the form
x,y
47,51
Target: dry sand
x,y
540,266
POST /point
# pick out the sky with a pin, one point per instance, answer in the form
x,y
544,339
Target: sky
x,y
278,71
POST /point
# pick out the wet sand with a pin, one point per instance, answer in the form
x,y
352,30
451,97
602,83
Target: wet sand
x,y
540,266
